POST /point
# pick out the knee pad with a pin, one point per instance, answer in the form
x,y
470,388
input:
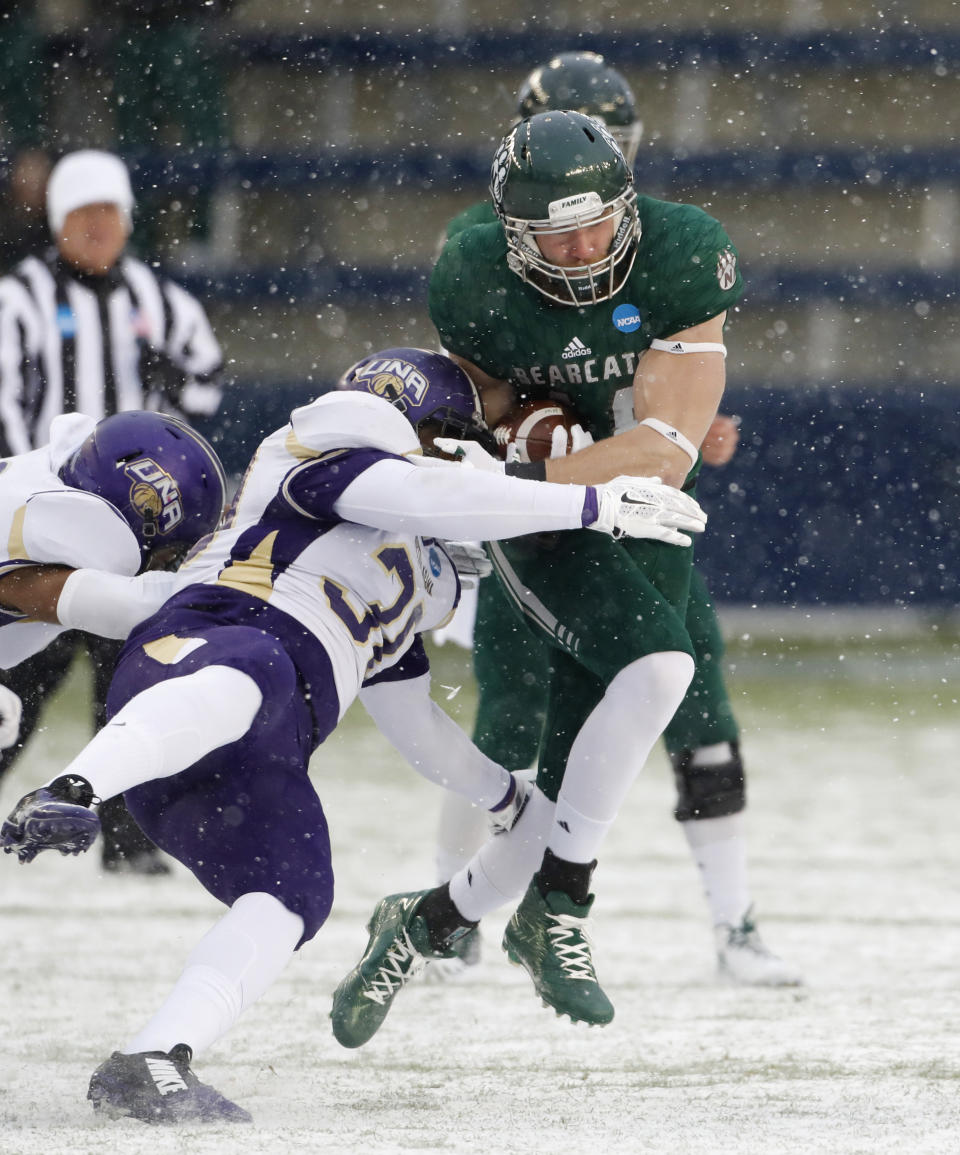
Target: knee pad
x,y
708,791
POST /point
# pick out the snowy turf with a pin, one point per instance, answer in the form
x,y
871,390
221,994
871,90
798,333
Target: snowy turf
x,y
855,861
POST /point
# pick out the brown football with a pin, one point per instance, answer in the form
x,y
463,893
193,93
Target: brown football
x,y
530,426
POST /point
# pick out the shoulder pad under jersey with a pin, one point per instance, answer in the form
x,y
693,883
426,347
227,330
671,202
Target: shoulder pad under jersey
x,y
346,419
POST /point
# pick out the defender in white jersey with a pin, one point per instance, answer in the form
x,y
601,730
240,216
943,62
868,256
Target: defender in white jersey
x,y
316,590
82,517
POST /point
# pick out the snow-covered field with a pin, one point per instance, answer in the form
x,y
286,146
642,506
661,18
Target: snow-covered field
x,y
855,863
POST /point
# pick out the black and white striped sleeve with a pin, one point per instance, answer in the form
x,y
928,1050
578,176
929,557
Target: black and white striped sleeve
x,y
192,346
20,339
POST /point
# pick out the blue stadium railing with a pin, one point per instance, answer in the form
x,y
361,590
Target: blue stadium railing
x,y
353,286
900,44
897,169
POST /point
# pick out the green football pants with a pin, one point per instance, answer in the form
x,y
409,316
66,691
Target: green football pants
x,y
519,673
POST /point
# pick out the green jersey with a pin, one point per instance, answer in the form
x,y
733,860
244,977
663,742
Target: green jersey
x,y
482,213
686,272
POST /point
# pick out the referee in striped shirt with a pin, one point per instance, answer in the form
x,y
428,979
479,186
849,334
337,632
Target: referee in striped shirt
x,y
87,328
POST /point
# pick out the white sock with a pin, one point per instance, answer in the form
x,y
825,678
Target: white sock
x,y
720,851
227,971
462,830
167,728
501,870
611,749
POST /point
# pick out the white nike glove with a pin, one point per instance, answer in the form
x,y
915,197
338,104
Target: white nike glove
x,y
470,561
645,507
562,443
470,452
10,710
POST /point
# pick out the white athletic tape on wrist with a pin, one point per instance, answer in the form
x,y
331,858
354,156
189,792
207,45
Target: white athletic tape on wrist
x,y
688,346
674,436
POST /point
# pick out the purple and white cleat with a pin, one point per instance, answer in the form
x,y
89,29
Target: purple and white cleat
x,y
55,817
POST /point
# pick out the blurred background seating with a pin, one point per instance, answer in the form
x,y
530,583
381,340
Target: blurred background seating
x,y
822,134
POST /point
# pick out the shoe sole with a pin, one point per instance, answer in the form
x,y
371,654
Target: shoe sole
x,y
517,961
68,835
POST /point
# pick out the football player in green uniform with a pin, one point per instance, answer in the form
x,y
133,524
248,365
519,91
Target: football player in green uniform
x,y
615,302
511,662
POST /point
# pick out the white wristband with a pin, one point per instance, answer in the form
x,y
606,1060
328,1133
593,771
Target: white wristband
x,y
688,346
674,436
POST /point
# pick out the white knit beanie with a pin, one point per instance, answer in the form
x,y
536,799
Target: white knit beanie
x,y
87,177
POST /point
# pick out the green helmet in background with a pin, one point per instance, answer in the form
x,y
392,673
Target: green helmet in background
x,y
558,172
584,82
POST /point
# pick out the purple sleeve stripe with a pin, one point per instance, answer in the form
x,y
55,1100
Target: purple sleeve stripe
x,y
591,507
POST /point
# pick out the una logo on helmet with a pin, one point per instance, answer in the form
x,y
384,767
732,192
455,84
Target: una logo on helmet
x,y
391,378
626,318
154,494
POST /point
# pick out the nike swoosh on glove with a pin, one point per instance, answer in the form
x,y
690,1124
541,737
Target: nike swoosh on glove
x,y
643,507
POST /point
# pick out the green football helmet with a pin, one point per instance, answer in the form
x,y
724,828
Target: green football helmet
x,y
556,173
584,82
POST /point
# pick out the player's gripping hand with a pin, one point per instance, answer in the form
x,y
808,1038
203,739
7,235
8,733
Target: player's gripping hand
x,y
645,507
471,452
564,441
10,710
470,562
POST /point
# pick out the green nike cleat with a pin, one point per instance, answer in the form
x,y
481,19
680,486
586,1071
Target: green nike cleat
x,y
547,937
398,950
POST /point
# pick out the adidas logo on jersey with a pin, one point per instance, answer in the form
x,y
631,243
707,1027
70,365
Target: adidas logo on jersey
x,y
576,348
165,1075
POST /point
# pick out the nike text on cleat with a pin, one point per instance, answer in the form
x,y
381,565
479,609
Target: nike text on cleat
x,y
547,937
397,951
157,1087
55,817
742,957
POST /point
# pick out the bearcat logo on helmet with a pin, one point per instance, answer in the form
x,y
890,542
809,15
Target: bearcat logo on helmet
x,y
500,168
726,269
154,494
394,379
604,133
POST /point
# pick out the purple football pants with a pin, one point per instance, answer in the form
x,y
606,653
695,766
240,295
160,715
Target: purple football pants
x,y
245,817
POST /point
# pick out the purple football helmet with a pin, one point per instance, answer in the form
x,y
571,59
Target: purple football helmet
x,y
434,394
164,479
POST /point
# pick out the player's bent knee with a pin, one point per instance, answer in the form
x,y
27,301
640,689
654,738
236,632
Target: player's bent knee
x,y
709,791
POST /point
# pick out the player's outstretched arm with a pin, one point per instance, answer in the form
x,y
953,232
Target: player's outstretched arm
x,y
106,604
457,501
433,744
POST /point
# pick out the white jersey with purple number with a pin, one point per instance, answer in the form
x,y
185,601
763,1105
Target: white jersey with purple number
x,y
44,522
336,525
364,593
